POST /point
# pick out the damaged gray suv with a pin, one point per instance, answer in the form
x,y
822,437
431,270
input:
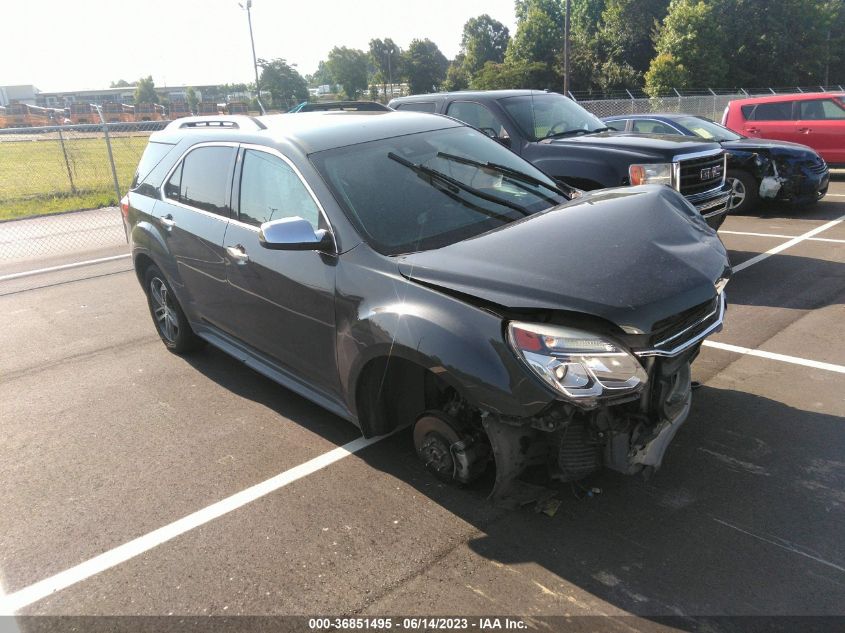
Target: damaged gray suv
x,y
405,269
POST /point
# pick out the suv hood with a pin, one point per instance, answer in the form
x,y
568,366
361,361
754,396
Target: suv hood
x,y
632,256
666,145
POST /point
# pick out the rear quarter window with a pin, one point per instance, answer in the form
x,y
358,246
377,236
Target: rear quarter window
x,y
152,156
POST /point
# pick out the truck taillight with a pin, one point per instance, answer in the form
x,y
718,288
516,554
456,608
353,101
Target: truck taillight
x,y
124,207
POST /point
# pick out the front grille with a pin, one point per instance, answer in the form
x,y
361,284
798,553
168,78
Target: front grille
x,y
817,167
701,174
668,328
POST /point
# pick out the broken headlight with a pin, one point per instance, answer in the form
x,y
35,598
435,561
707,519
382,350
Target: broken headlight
x,y
576,363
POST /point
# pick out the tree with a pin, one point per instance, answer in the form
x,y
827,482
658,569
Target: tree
x,y
145,90
780,42
665,73
425,66
514,75
627,31
484,40
348,67
120,83
321,76
193,100
284,83
457,77
690,49
539,32
386,58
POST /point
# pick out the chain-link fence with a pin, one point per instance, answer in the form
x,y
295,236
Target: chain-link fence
x,y
49,172
711,106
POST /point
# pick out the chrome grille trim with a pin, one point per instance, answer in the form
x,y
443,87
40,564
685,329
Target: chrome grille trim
x,y
715,326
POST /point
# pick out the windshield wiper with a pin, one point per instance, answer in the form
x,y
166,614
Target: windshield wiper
x,y
433,175
576,132
511,173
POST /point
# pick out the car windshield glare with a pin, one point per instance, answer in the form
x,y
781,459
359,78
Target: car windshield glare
x,y
547,115
408,193
708,129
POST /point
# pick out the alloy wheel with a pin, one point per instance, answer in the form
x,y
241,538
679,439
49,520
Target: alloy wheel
x,y
738,192
163,310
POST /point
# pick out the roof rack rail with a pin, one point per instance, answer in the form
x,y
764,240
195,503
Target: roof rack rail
x,y
231,122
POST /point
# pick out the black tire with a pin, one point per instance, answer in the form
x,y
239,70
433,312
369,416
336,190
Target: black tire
x,y
169,319
744,184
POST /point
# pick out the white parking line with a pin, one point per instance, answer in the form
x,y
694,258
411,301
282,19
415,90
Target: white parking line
x,y
785,237
11,602
782,247
51,269
840,369
837,195
783,545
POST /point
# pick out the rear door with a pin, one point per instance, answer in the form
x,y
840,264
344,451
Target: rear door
x,y
770,120
620,125
193,215
281,302
821,125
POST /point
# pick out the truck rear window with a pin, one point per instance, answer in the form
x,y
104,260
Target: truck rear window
x,y
420,106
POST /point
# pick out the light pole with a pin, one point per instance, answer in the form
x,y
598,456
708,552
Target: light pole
x,y
254,61
389,73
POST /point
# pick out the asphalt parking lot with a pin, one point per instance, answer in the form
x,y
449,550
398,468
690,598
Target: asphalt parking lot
x,y
132,479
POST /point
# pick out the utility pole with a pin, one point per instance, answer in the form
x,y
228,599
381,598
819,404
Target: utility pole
x,y
254,60
566,48
389,73
827,60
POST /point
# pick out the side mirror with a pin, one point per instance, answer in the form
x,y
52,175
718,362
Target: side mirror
x,y
489,131
294,234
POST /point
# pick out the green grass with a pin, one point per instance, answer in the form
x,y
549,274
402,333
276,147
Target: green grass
x,y
38,177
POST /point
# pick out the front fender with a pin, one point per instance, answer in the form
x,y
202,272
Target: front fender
x,y
461,343
584,169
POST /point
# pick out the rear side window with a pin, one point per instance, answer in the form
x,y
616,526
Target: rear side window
x,y
271,190
201,180
652,127
768,111
820,110
153,155
419,106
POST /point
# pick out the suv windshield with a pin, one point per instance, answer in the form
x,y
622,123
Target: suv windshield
x,y
550,115
429,190
708,129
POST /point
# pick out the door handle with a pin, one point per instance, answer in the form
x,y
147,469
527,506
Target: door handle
x,y
168,221
752,130
805,130
238,253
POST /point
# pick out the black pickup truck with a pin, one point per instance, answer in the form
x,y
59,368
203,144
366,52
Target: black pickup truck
x,y
569,144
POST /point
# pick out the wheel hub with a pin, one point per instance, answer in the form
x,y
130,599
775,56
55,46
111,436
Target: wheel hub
x,y
436,455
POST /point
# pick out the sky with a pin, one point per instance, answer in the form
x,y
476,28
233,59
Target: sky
x,y
86,44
